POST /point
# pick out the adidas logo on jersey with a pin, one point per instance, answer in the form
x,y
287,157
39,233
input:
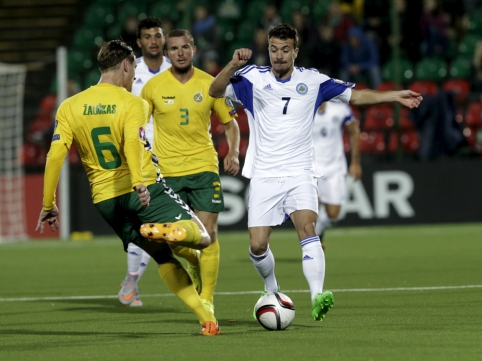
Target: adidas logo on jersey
x,y
307,258
268,87
138,81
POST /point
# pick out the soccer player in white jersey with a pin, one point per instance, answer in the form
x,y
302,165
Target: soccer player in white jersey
x,y
150,39
280,102
330,120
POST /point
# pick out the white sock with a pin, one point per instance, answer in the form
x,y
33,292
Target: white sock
x,y
264,264
323,221
144,262
134,256
313,260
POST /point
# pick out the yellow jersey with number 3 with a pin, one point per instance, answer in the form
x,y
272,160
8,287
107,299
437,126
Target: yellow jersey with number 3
x,y
107,125
182,120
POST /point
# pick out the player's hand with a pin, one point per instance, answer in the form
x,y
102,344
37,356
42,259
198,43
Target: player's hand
x,y
50,217
409,98
231,164
143,194
355,171
241,57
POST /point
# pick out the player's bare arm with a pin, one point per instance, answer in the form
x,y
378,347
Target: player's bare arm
x,y
219,84
355,169
50,217
231,161
408,98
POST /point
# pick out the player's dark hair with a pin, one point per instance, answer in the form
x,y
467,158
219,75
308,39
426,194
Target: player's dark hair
x,y
111,54
176,33
283,32
148,23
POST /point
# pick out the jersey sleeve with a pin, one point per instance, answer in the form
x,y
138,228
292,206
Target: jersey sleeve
x,y
146,94
334,89
61,143
241,87
224,110
135,137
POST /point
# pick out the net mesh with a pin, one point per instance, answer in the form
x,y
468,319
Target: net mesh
x,y
12,205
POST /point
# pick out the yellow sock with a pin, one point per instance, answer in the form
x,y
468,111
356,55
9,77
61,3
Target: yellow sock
x,y
189,254
209,270
177,279
193,233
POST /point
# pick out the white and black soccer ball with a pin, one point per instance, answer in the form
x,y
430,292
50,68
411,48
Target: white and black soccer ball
x,y
274,311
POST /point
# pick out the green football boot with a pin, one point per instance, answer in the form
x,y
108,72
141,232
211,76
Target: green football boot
x,y
322,303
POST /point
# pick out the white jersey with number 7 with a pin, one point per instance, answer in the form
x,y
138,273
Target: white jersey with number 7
x,y
280,115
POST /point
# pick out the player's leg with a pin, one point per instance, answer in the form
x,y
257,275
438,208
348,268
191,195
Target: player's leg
x,y
179,282
203,192
137,261
331,193
265,209
164,208
262,257
210,256
301,204
174,223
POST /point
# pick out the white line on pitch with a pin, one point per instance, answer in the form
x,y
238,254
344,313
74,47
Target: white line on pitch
x,y
61,298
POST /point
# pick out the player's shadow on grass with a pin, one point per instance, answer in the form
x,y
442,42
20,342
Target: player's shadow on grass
x,y
113,306
79,338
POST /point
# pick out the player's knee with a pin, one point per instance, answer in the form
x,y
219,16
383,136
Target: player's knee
x,y
258,248
333,214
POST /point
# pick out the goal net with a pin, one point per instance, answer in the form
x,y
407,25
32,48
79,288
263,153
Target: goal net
x,y
12,212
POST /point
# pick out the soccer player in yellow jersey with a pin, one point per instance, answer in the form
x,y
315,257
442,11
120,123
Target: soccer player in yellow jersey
x,y
179,101
107,124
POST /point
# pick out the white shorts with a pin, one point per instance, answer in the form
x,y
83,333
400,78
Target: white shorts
x,y
331,189
271,198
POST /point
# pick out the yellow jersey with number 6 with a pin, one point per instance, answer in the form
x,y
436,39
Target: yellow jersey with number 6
x,y
182,113
107,125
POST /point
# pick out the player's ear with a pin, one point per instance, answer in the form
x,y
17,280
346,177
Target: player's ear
x,y
138,43
194,49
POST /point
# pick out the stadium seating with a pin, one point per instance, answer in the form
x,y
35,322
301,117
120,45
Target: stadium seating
x,y
460,88
256,9
378,117
434,69
473,117
246,31
361,85
88,37
386,86
406,70
468,43
409,141
372,142
288,6
460,67
79,60
424,87
225,30
99,14
165,10
136,8
320,9
92,78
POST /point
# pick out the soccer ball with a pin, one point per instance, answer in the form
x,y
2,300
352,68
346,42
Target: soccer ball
x,y
274,311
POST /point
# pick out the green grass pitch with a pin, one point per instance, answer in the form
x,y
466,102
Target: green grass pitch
x,y
401,293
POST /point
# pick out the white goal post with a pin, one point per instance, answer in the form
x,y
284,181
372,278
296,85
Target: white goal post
x,y
12,192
